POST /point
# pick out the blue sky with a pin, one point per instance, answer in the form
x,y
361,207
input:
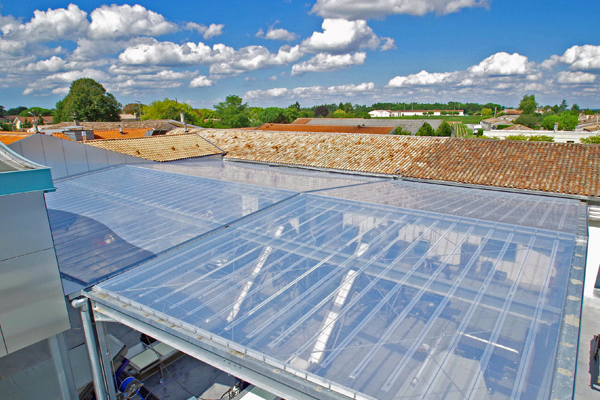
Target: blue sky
x,y
318,51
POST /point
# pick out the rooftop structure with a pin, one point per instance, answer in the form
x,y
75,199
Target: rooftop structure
x,y
545,167
378,130
409,125
365,288
160,148
386,271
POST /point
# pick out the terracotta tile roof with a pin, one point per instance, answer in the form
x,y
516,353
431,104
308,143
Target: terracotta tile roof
x,y
116,133
380,130
62,136
11,137
159,125
301,120
160,148
550,167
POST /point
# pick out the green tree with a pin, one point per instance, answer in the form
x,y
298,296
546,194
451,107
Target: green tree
x,y
35,110
541,138
563,107
273,115
529,120
575,110
88,100
549,121
296,105
233,112
170,109
426,130
339,113
16,110
486,112
528,104
133,108
517,137
591,140
400,131
291,113
444,129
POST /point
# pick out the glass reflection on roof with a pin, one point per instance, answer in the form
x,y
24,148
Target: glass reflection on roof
x,y
106,222
389,302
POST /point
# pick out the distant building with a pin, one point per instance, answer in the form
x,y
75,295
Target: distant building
x,y
413,113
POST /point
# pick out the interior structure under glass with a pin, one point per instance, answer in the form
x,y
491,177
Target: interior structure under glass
x,y
390,302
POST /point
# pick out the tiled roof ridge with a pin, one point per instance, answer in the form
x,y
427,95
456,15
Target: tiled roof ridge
x,y
142,137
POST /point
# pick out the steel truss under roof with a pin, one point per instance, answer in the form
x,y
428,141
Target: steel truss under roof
x,y
382,290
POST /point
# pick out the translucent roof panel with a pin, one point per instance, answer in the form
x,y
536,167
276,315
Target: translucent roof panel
x,y
388,302
540,212
279,177
105,222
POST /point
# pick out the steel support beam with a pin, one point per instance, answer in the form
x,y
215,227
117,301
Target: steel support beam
x,y
62,363
89,331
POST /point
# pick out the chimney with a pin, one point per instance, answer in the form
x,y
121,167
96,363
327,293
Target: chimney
x,y
183,122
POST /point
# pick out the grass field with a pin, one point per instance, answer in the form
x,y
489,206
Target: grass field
x,y
469,119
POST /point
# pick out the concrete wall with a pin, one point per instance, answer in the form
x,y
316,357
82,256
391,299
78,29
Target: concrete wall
x,y
559,137
66,158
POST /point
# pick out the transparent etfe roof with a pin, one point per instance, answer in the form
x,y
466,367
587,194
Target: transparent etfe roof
x,y
106,222
388,302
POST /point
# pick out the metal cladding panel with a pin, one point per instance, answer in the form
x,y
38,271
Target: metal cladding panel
x,y
16,147
96,158
106,222
32,149
387,302
55,156
115,158
32,303
24,221
75,157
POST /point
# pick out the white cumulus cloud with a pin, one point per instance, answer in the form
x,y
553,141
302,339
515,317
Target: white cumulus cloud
x,y
341,36
502,64
360,9
123,21
323,62
208,32
50,25
568,77
312,92
201,81
422,78
280,34
585,57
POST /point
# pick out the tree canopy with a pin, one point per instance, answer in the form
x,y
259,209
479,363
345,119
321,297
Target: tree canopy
x,y
87,100
38,111
426,130
566,121
444,129
321,111
170,109
232,112
16,110
528,104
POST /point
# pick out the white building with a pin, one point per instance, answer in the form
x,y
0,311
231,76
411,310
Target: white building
x,y
413,113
